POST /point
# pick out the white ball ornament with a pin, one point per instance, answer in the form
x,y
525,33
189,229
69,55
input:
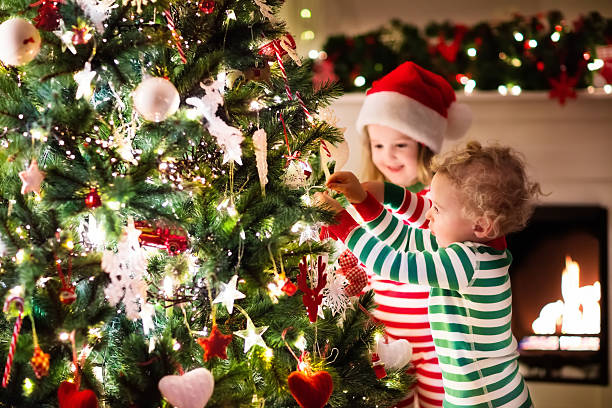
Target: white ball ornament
x,y
20,42
156,98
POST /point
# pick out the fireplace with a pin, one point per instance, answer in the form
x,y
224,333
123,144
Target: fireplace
x,y
559,286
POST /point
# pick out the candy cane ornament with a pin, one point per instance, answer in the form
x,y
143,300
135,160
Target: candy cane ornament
x,y
9,359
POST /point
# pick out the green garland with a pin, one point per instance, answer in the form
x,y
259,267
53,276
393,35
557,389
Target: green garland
x,y
529,52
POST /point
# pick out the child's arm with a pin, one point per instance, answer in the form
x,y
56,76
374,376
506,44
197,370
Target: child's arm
x,y
447,268
403,203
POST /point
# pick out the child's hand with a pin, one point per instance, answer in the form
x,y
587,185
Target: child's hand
x,y
348,184
376,188
324,200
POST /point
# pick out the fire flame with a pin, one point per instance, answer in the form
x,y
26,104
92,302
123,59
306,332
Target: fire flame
x,y
579,311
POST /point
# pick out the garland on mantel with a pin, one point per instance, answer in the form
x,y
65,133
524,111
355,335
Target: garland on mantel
x,y
542,52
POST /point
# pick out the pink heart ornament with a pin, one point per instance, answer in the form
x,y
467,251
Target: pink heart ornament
x,y
190,390
395,354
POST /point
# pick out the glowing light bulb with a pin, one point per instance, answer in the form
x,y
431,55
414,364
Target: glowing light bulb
x,y
360,81
555,36
518,36
305,13
471,52
503,90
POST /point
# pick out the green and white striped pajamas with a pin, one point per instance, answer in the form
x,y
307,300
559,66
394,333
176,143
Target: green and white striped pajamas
x,y
470,303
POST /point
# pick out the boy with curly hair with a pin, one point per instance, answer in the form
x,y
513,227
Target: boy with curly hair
x,y
478,195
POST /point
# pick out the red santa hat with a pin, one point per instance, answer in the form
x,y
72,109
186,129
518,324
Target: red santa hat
x,y
418,103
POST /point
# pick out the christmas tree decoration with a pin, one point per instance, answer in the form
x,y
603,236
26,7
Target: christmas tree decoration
x,y
172,239
48,14
228,294
334,295
97,11
66,37
378,366
156,98
330,152
81,34
273,47
260,143
16,329
311,390
31,178
207,6
116,147
69,396
83,79
355,275
216,344
228,138
20,42
40,362
258,74
252,335
126,268
67,294
312,297
562,87
92,199
266,11
190,390
393,354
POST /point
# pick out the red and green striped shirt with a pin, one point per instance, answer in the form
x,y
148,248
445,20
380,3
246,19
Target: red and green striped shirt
x,y
470,304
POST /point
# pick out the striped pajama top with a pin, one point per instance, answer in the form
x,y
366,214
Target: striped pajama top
x,y
402,307
470,304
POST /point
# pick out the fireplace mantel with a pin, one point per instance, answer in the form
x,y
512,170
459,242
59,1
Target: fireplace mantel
x,y
568,149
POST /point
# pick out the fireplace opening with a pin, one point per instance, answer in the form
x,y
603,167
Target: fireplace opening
x,y
559,290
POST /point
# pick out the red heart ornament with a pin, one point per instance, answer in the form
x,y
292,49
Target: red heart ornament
x,y
311,391
70,397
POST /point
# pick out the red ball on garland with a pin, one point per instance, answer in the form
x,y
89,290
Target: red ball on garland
x,y
207,7
48,17
92,199
69,396
289,288
215,344
310,390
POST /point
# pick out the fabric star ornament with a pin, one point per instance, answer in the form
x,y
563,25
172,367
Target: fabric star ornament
x,y
31,178
216,344
228,294
563,87
252,335
66,37
84,78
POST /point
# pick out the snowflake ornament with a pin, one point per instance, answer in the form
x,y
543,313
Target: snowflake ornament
x,y
97,11
228,137
126,268
334,296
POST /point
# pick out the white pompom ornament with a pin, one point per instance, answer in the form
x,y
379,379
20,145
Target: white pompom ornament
x,y
20,42
156,98
395,354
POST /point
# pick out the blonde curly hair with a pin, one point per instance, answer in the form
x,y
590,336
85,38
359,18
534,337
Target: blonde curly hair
x,y
493,182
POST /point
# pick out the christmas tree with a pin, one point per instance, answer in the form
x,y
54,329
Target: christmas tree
x,y
159,245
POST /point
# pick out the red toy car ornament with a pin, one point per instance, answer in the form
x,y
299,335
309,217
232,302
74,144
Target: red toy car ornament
x,y
172,239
